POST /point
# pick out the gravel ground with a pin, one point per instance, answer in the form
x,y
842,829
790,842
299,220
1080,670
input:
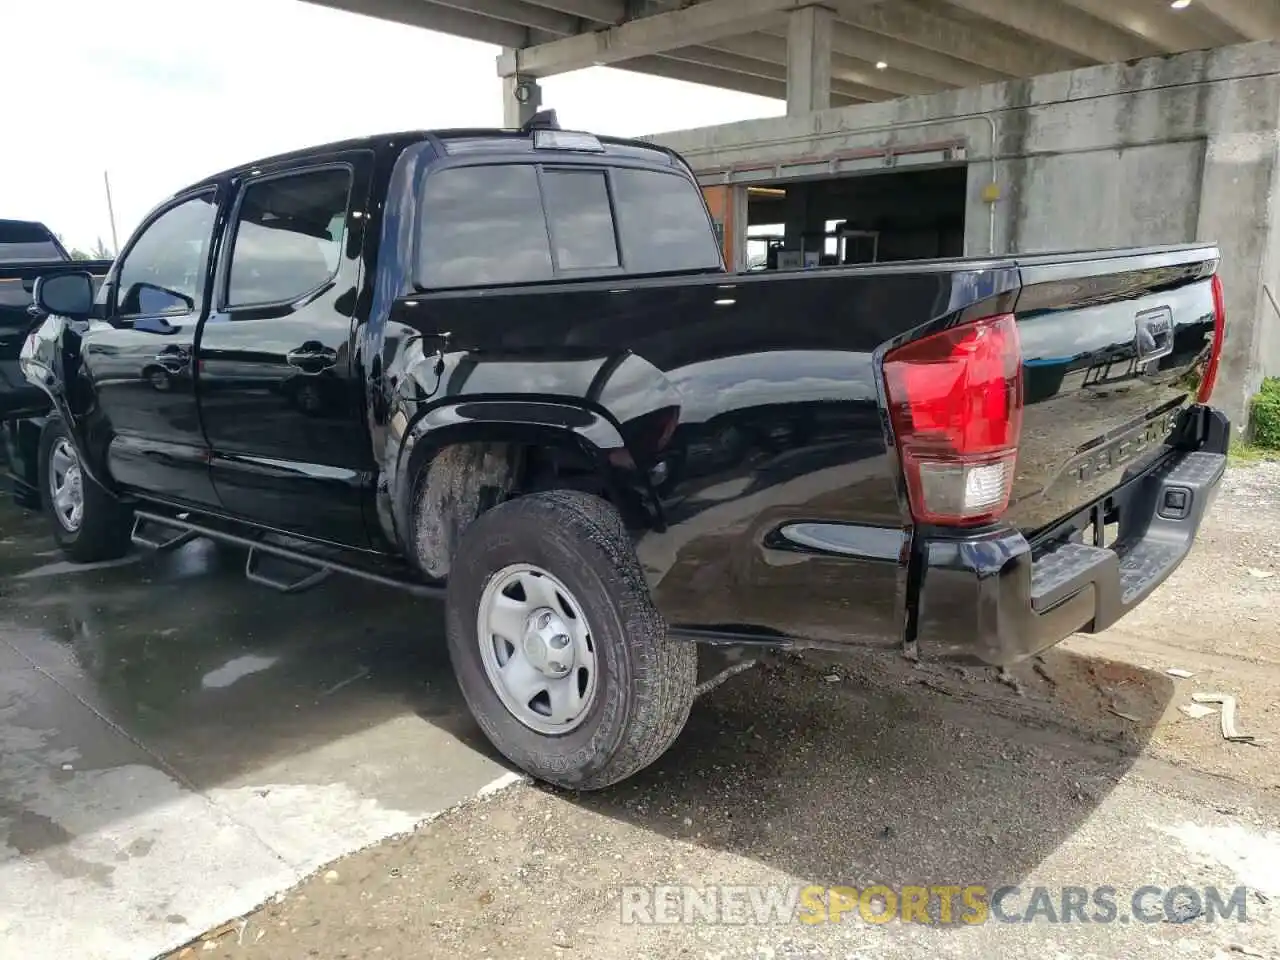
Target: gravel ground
x,y
1078,769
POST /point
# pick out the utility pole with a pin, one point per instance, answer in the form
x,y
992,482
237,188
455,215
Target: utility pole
x,y
111,212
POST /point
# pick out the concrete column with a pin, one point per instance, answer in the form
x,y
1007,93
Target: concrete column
x,y
516,112
1242,173
809,60
796,209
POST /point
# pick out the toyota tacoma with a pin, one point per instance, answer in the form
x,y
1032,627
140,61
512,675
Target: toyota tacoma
x,y
510,369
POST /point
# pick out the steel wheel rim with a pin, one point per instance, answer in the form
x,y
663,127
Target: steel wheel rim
x,y
537,648
66,485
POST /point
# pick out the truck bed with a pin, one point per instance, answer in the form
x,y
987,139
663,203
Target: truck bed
x,y
776,383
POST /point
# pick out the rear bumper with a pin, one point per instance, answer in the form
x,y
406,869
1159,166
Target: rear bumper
x,y
994,599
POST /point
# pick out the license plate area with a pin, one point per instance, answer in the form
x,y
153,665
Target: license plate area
x,y
1103,526
1108,523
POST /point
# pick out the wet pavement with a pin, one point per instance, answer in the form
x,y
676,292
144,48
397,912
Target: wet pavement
x,y
1079,774
177,744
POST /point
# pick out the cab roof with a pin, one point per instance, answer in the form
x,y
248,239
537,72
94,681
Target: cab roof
x,y
450,141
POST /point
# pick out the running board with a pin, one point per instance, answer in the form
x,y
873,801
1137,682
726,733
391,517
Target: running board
x,y
178,536
255,571
320,567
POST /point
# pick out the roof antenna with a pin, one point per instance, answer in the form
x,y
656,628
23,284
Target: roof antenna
x,y
542,120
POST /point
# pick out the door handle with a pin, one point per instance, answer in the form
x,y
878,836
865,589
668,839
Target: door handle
x,y
312,357
174,355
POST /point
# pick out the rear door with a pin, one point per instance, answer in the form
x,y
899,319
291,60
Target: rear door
x,y
140,362
280,395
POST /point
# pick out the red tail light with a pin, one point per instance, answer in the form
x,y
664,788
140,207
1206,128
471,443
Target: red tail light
x,y
955,400
1219,332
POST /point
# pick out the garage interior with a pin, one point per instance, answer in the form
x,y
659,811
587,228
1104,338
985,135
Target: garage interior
x,y
869,218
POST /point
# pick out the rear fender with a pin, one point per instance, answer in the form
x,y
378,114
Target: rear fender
x,y
524,422
50,360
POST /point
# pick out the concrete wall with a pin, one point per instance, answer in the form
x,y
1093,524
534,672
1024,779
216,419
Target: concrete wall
x,y
1163,150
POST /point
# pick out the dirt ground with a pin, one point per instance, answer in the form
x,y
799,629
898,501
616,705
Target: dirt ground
x,y
1079,768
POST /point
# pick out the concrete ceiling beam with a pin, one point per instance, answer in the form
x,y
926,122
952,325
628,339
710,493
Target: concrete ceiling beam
x,y
736,63
1252,19
907,57
764,46
1063,26
990,48
518,12
661,66
1156,23
431,16
610,12
647,36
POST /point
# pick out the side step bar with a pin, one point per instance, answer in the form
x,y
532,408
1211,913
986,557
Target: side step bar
x,y
176,537
256,572
318,568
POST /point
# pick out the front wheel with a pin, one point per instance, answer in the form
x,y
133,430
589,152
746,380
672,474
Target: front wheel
x,y
560,654
89,524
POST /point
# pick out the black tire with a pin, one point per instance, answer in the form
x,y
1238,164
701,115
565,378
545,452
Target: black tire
x,y
646,681
106,525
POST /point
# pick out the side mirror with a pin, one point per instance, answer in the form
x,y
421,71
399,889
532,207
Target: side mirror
x,y
67,295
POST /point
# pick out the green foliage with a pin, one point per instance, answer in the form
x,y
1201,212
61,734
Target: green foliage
x,y
1264,415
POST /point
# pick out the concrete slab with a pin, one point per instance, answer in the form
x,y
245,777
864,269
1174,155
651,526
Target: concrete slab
x,y
1077,776
178,745
785,780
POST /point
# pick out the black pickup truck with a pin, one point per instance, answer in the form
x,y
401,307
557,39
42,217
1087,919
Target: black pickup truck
x,y
509,368
28,249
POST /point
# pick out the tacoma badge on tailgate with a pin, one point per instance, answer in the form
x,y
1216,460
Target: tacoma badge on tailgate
x,y
1126,448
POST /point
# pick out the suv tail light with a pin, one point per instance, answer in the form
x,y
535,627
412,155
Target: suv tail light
x,y
1219,332
955,400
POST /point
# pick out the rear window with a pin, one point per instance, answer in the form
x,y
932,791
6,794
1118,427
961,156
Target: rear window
x,y
663,222
523,223
26,243
580,218
483,225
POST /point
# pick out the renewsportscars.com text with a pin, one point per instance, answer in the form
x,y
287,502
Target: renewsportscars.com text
x,y
937,904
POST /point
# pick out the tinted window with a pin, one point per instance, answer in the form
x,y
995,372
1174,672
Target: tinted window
x,y
663,222
22,242
581,221
288,236
483,225
164,270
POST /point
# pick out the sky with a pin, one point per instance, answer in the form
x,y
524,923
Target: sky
x,y
161,93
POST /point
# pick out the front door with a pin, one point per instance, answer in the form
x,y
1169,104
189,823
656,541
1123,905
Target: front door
x,y
139,361
280,396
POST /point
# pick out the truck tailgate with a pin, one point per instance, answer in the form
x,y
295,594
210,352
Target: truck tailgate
x,y
1114,346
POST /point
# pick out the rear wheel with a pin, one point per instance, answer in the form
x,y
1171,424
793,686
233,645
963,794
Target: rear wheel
x,y
561,655
89,524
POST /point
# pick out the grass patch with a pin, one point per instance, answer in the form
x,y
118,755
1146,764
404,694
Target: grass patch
x,y
1264,415
1242,453
1264,427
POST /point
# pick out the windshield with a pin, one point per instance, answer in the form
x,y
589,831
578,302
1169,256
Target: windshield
x,y
24,242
